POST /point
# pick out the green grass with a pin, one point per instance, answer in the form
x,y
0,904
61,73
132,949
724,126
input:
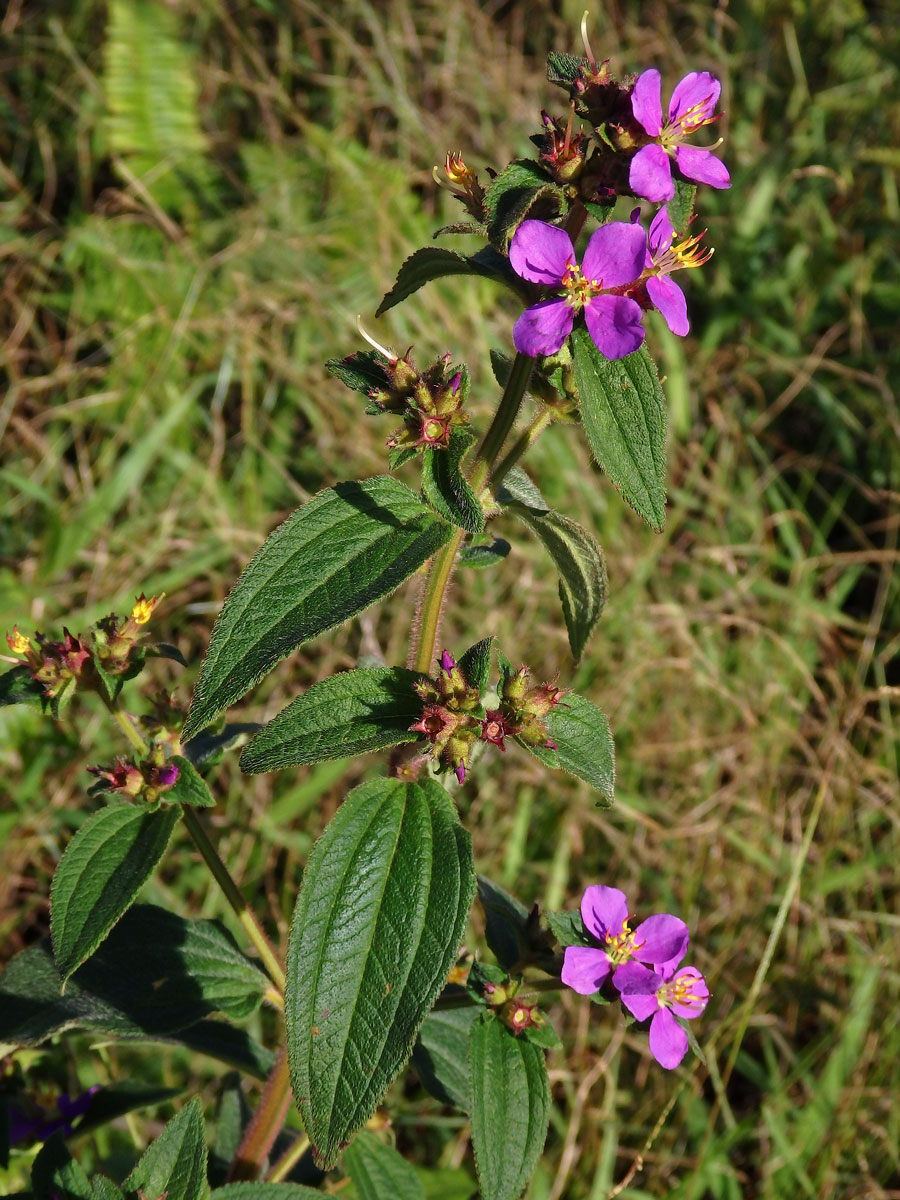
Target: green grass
x,y
165,404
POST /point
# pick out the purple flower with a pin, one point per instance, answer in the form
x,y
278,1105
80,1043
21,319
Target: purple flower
x,y
665,255
692,105
34,1122
664,995
614,258
661,941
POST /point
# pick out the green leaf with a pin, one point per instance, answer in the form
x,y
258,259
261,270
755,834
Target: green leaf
x,y
522,190
363,372
435,262
440,1054
229,1045
233,1115
265,1191
518,488
56,1175
348,547
165,650
190,787
446,488
174,1164
377,927
103,868
347,714
207,745
506,923
567,927
624,417
565,68
475,664
155,974
447,1183
484,556
18,687
582,571
117,1099
378,1171
600,212
681,206
584,744
104,1189
510,1108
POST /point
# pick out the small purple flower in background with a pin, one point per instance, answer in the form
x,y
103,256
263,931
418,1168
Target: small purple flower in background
x,y
692,105
661,940
34,1122
664,995
614,258
664,256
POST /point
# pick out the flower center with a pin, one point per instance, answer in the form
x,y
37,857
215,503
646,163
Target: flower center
x,y
678,256
689,122
578,289
620,946
679,991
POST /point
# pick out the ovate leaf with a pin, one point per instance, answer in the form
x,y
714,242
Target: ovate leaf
x,y
582,571
624,418
104,867
510,1107
518,488
175,1164
446,488
377,926
584,744
681,206
190,787
18,687
348,547
379,1172
484,556
348,714
434,262
522,190
475,664
506,923
440,1055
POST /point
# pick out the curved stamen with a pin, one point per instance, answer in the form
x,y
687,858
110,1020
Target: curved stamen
x,y
392,358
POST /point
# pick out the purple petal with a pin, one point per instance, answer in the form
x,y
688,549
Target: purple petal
x,y
604,910
699,994
668,1041
661,939
668,297
661,233
584,969
615,254
543,328
640,1004
638,986
699,91
614,323
650,174
541,253
700,165
646,103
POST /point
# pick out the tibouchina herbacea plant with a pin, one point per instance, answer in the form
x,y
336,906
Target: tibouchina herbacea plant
x,y
379,967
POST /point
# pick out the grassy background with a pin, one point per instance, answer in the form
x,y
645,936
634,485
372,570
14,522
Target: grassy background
x,y
198,199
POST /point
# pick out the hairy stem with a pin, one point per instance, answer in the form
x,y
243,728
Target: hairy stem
x,y
265,1124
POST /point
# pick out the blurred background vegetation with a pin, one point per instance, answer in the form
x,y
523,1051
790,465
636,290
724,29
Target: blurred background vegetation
x,y
197,200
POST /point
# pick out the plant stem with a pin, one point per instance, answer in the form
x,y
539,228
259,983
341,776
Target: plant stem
x,y
265,1124
288,1160
241,908
441,567
523,442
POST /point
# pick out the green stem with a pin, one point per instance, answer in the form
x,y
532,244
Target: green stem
x,y
288,1160
242,909
441,567
523,442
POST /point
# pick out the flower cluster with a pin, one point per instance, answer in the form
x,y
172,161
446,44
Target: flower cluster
x,y
149,779
522,712
430,401
116,641
644,967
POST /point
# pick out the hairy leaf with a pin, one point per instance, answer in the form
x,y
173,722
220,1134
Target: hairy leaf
x,y
379,1172
377,926
174,1164
510,1107
523,189
584,744
475,664
207,745
681,206
347,714
103,868
505,921
446,488
56,1175
518,488
624,418
565,68
265,1191
440,1055
582,571
18,687
104,1189
155,974
348,547
190,787
484,556
435,262
364,371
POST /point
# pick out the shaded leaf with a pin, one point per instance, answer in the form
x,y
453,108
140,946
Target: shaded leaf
x,y
510,1107
265,1191
165,650
378,1171
56,1175
18,687
506,923
445,486
435,262
377,927
347,714
190,787
624,418
208,744
565,68
518,488
440,1054
484,556
349,546
103,868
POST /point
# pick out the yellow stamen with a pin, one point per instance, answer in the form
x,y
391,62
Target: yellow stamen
x,y
18,642
457,171
143,609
